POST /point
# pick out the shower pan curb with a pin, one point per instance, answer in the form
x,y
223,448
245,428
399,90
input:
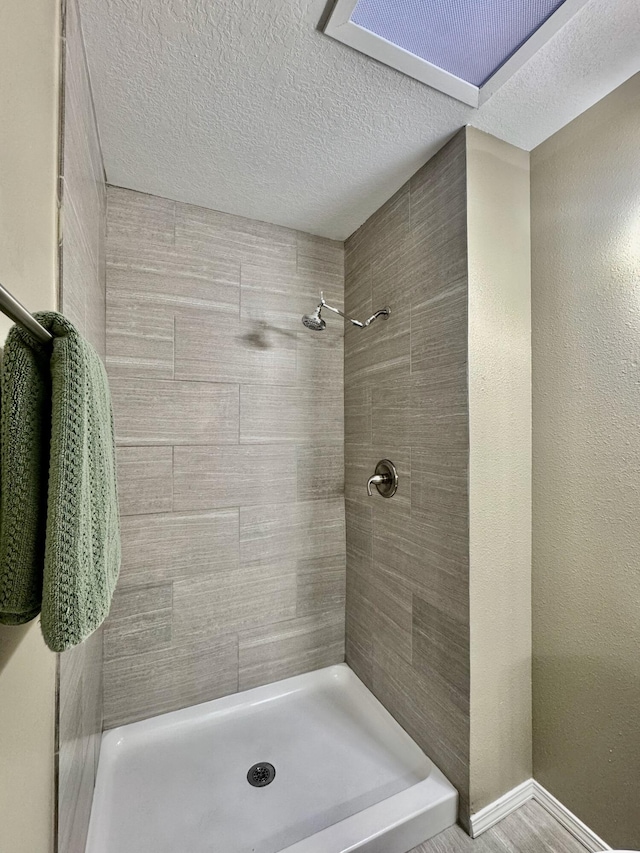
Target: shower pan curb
x,y
311,764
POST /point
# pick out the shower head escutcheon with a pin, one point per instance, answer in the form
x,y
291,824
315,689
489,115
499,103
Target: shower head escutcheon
x,y
317,324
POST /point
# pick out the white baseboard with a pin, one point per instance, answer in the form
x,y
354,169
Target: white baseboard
x,y
500,808
532,790
571,823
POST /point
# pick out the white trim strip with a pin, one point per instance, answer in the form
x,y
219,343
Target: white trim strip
x,y
497,810
571,823
554,23
531,790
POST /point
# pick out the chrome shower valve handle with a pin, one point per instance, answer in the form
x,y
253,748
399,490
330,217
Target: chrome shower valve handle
x,y
385,479
377,480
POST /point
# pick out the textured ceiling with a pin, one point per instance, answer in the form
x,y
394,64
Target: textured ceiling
x,y
244,106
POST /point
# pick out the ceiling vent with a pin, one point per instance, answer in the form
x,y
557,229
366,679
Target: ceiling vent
x,y
464,48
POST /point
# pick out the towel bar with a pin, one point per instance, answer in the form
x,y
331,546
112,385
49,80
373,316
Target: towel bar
x,y
16,311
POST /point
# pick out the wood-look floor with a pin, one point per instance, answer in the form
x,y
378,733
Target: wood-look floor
x,y
531,829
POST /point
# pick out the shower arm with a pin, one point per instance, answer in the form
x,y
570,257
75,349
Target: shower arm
x,y
384,312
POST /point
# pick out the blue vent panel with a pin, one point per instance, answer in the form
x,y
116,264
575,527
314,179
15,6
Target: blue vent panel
x,y
470,39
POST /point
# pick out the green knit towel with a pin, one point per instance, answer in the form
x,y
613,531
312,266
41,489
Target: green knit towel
x,y
59,527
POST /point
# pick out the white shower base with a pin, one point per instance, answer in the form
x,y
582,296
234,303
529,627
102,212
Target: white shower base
x,y
347,776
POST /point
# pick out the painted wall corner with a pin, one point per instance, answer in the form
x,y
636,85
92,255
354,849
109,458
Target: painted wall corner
x,y
29,137
499,258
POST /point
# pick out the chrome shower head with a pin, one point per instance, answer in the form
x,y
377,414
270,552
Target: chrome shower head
x,y
317,324
314,321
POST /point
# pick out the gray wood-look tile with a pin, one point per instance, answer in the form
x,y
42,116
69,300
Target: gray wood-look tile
x,y
289,648
359,535
76,777
432,403
397,283
264,284
320,255
142,306
299,415
380,240
273,313
530,829
140,230
233,601
139,621
320,471
211,234
82,299
272,245
216,349
144,479
79,728
157,412
82,157
154,682
407,600
82,173
79,731
205,310
358,643
358,291
169,546
235,475
320,357
432,559
433,270
426,711
381,353
441,649
71,720
360,624
439,488
139,338
438,192
291,531
179,289
320,585
129,601
383,350
387,600
439,331
357,413
203,278
79,265
280,298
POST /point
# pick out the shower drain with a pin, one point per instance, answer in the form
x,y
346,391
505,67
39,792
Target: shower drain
x,y
261,774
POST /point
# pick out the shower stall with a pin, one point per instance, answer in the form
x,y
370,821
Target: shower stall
x,y
236,578
286,664
236,573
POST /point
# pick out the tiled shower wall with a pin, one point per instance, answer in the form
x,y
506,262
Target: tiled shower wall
x,y
229,422
82,300
406,399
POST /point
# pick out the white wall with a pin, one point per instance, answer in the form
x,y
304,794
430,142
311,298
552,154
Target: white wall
x,y
29,80
585,194
499,261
